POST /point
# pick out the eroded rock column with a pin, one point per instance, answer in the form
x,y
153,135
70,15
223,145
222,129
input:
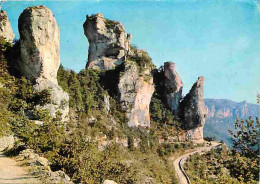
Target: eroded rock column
x,y
109,47
173,87
108,42
40,44
193,112
6,30
40,54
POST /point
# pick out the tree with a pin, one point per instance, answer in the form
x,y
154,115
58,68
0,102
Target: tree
x,y
245,139
75,93
243,162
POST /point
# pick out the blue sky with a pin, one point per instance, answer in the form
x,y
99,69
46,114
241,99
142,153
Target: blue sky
x,y
219,39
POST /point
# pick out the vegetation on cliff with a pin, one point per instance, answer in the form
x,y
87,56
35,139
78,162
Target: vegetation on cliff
x,y
77,147
95,142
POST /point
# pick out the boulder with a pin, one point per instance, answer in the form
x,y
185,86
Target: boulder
x,y
57,177
193,111
173,87
34,159
6,30
41,168
108,42
109,182
6,142
40,55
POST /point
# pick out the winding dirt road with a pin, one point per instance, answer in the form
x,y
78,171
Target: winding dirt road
x,y
178,163
12,172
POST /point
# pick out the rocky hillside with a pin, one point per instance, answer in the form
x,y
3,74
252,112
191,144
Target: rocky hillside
x,y
118,118
222,113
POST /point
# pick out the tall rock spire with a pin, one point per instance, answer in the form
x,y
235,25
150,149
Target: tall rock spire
x,y
108,42
6,30
40,54
173,87
193,111
40,43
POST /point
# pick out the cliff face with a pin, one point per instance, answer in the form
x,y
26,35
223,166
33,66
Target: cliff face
x,y
108,42
193,111
6,30
109,47
217,108
135,94
221,115
173,87
40,54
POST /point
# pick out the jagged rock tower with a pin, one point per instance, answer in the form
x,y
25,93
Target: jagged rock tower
x,y
40,54
193,112
6,30
173,87
108,42
190,110
109,47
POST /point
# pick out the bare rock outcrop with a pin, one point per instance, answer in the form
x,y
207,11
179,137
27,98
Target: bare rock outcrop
x,y
6,30
109,182
40,54
109,49
135,94
6,142
41,168
221,108
108,42
40,44
193,112
173,87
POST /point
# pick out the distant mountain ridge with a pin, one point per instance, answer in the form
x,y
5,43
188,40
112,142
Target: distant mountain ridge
x,y
222,113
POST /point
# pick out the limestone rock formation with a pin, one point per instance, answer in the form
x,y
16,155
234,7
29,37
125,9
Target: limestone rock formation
x,y
221,108
109,182
193,111
39,163
107,103
173,87
40,44
135,94
109,48
108,42
6,30
7,142
40,54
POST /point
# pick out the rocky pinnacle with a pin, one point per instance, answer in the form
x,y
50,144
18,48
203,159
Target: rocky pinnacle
x,y
40,43
173,87
193,111
40,55
108,42
6,30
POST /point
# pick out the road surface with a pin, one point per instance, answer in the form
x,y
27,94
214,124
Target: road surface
x,y
178,163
